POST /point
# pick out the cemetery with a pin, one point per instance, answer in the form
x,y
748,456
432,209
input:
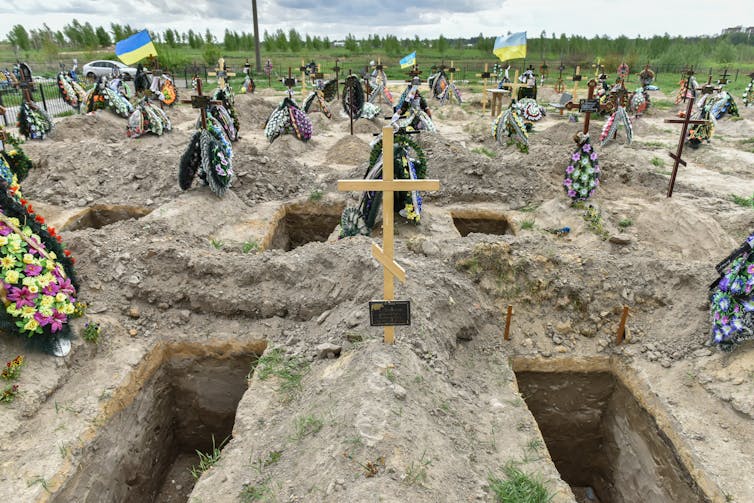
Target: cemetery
x,y
548,287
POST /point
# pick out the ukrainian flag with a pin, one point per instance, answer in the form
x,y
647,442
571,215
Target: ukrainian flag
x,y
135,48
409,60
510,47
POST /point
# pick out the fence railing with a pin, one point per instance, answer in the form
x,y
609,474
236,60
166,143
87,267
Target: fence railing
x,y
46,94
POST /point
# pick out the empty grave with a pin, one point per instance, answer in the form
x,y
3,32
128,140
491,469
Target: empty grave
x,y
300,224
100,215
182,396
605,445
482,222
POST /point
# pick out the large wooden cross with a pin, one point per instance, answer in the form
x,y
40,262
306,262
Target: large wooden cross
x,y
336,69
515,85
201,101
302,69
484,75
221,72
576,79
388,186
25,82
682,140
586,106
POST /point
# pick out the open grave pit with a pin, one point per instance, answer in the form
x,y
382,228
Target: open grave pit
x,y
605,444
101,215
301,223
184,400
480,221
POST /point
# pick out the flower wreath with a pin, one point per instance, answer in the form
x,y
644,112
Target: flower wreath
x,y
353,97
582,175
37,280
732,298
33,122
748,97
18,162
288,118
511,123
147,118
619,117
210,154
225,94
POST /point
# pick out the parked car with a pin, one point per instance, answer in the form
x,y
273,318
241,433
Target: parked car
x,y
96,69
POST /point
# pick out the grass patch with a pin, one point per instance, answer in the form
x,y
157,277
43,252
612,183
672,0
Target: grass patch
x,y
529,208
315,195
307,425
593,218
207,460
289,370
67,113
625,223
748,144
519,487
527,224
484,151
257,492
216,243
250,246
416,472
746,202
663,104
656,161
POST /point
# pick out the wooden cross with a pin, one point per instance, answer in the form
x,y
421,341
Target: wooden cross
x,y
221,72
724,78
25,82
588,111
682,140
484,75
336,69
302,69
388,186
201,101
559,85
576,79
515,85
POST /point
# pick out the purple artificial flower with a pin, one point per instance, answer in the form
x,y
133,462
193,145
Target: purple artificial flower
x,y
32,270
569,169
42,319
723,304
596,182
22,297
597,168
724,283
571,193
593,156
66,286
737,286
586,148
4,230
750,268
576,156
57,320
591,193
567,182
51,289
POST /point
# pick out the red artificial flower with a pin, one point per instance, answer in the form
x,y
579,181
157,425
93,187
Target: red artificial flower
x,y
73,260
40,219
30,210
67,253
23,202
60,239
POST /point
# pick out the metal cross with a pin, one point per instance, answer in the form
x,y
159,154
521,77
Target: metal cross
x,y
388,186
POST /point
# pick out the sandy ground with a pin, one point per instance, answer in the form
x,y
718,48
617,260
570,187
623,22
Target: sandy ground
x,y
432,417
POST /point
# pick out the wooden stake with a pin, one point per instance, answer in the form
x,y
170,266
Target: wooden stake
x,y
682,140
622,326
507,334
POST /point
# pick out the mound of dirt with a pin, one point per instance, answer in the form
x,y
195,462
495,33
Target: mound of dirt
x,y
103,125
349,150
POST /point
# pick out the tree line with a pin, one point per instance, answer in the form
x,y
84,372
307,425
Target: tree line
x,y
659,49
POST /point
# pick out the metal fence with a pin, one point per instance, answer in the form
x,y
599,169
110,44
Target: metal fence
x,y
46,94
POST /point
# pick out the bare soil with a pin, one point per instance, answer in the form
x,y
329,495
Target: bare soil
x,y
184,278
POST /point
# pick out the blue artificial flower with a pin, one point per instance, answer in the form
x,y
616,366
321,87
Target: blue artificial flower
x,y
723,303
748,306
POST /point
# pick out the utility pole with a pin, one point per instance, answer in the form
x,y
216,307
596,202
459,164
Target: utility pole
x,y
256,36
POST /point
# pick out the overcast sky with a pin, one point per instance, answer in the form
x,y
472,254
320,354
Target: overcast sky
x,y
426,18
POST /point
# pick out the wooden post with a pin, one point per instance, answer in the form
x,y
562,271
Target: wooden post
x,y
484,93
576,80
622,326
303,78
350,104
201,102
388,186
336,69
507,333
588,115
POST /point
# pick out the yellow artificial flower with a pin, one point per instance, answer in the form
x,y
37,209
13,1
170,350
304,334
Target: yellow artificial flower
x,y
52,255
47,300
50,265
28,312
15,247
28,258
60,297
3,241
27,231
68,308
29,280
31,325
46,310
33,288
13,153
15,222
11,309
44,279
8,261
11,277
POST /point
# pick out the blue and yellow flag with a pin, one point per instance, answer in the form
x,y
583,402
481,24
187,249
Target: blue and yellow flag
x,y
510,47
409,60
135,47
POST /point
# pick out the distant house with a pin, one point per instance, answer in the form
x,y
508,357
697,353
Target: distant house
x,y
749,31
339,43
734,29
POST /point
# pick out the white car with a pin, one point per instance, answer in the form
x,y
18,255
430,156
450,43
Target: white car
x,y
96,69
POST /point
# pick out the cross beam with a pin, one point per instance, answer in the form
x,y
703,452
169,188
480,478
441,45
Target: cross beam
x,y
201,101
682,140
388,186
221,72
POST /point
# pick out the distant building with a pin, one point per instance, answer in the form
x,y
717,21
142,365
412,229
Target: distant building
x,y
339,43
750,30
734,29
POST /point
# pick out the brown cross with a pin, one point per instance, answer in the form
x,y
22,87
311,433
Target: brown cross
x,y
25,82
682,140
201,101
336,69
588,111
724,78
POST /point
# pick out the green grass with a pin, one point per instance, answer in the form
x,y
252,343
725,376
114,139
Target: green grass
x,y
485,151
216,243
748,144
527,224
307,425
625,223
416,472
746,202
315,195
207,460
289,370
658,162
519,487
250,246
663,104
67,113
257,492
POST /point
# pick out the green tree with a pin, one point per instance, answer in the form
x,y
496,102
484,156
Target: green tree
x,y
268,42
351,44
294,40
208,37
103,37
442,44
19,38
281,41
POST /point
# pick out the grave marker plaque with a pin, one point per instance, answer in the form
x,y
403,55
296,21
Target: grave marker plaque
x,y
389,313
